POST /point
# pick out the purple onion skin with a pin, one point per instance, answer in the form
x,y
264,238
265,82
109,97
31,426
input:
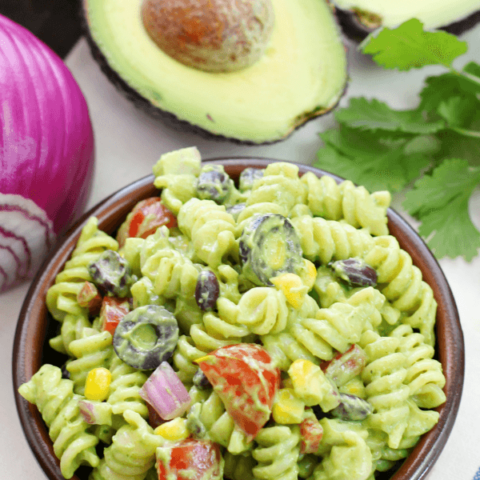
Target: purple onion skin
x,y
48,139
46,144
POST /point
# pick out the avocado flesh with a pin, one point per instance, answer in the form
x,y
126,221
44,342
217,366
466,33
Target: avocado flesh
x,y
302,74
391,13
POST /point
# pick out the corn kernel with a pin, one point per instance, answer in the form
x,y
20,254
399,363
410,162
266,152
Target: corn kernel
x,y
174,430
287,408
312,386
97,385
309,274
292,287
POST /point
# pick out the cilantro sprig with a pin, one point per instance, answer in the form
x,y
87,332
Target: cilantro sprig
x,y
432,151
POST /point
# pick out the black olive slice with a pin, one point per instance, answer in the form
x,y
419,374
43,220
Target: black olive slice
x,y
213,184
236,210
248,176
111,273
355,271
146,337
269,246
207,290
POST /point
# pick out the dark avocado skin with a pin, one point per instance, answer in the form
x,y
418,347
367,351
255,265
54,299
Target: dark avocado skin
x,y
169,119
357,32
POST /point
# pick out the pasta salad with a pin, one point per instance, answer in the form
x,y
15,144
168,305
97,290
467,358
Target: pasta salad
x,y
267,330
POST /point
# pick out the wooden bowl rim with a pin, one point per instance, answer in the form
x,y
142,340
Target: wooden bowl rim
x,y
30,335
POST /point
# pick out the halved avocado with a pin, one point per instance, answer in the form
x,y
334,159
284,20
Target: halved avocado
x,y
301,75
358,18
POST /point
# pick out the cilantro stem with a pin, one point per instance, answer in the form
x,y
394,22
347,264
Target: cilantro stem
x,y
467,76
466,133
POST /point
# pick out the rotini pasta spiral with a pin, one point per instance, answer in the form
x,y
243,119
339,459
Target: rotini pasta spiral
x,y
71,329
402,284
161,240
93,350
347,455
143,293
62,297
176,173
228,279
383,376
263,310
211,230
183,359
330,291
125,387
58,405
214,332
326,240
277,453
175,277
239,467
331,329
132,452
209,419
424,374
389,457
172,274
354,204
419,423
280,184
384,457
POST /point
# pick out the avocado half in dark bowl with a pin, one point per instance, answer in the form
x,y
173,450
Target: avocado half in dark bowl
x,y
301,73
359,18
36,326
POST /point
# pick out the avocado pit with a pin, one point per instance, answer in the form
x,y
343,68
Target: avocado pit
x,y
210,35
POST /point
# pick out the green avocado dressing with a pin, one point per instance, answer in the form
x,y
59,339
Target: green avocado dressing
x,y
143,336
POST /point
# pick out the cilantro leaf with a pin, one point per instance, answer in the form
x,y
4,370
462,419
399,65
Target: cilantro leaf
x,y
375,115
440,201
473,68
441,88
408,46
454,144
378,162
458,111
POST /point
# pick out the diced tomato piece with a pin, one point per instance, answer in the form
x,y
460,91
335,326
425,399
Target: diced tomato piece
x,y
89,297
145,218
112,312
311,433
190,460
246,380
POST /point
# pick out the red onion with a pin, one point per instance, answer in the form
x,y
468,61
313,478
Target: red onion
x,y
95,413
46,151
165,392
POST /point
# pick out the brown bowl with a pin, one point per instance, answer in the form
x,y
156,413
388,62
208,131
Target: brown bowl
x,y
35,324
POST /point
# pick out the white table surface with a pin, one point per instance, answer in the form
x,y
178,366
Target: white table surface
x,y
128,143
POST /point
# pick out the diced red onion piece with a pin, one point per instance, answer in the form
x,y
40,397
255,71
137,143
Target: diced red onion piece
x,y
165,392
95,413
86,409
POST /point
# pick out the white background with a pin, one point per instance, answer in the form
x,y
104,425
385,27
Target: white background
x,y
127,145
